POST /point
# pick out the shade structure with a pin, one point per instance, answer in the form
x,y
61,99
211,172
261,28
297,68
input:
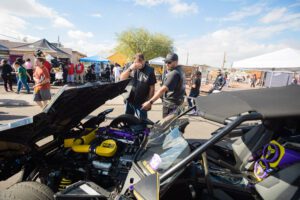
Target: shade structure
x,y
43,45
283,60
119,58
94,59
157,61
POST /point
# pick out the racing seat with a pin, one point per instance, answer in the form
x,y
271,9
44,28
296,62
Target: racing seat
x,y
236,153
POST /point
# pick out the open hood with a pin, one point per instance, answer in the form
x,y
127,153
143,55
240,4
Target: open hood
x,y
67,108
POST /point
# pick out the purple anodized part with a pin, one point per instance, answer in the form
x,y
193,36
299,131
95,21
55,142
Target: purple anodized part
x,y
119,133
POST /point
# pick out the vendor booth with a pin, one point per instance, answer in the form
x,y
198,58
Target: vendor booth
x,y
279,66
94,59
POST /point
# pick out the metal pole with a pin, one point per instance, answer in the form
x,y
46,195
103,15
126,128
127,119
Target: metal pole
x,y
226,130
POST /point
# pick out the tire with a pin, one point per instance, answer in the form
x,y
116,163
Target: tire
x,y
125,121
6,194
31,191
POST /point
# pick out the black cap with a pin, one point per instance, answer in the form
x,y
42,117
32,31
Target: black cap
x,y
20,61
171,57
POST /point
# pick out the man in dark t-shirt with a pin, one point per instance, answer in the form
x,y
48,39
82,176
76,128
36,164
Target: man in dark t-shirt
x,y
195,88
142,86
173,88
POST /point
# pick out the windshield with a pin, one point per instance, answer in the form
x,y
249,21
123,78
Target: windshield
x,y
164,150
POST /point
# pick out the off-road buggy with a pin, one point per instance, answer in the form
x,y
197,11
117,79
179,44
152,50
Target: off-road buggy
x,y
255,155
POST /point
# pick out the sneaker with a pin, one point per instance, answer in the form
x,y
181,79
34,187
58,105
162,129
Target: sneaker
x,y
193,113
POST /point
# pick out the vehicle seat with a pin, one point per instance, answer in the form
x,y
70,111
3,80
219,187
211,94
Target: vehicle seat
x,y
241,148
284,184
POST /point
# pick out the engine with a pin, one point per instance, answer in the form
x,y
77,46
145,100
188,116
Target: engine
x,y
102,155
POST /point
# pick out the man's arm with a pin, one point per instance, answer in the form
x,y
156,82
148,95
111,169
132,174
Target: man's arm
x,y
125,74
157,95
151,91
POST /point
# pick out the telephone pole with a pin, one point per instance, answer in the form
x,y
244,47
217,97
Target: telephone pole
x,y
224,60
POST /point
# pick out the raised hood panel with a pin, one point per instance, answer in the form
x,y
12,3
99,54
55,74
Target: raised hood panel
x,y
67,108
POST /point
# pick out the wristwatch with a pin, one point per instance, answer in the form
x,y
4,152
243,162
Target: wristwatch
x,y
130,70
151,102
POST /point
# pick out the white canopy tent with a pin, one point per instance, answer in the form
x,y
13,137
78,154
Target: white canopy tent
x,y
279,66
283,60
157,61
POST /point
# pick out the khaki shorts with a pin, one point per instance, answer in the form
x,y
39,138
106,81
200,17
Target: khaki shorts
x,y
42,95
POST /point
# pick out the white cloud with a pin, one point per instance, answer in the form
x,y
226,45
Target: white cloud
x,y
60,22
238,43
79,35
97,15
104,48
32,8
177,7
244,12
274,15
12,28
184,8
149,2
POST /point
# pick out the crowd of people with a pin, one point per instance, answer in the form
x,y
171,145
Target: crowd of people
x,y
139,97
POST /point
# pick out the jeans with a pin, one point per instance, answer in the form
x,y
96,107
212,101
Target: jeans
x,y
70,78
136,110
191,101
21,82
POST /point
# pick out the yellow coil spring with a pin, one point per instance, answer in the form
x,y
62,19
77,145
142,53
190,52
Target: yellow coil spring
x,y
64,182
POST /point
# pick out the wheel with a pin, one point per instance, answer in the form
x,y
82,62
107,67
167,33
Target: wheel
x,y
30,191
125,121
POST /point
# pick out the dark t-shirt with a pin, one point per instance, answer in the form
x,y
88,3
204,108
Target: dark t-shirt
x,y
6,70
175,82
197,82
141,82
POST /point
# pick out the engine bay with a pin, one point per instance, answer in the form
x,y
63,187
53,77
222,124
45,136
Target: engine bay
x,y
102,155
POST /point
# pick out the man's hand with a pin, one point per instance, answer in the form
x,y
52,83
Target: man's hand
x,y
146,105
135,66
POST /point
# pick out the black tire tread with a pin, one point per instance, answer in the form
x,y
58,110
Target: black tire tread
x,y
130,119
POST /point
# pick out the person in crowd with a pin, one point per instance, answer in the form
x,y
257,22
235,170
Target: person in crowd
x,y
116,72
294,81
143,86
22,75
79,72
253,80
173,88
107,73
195,89
65,72
29,68
97,70
70,73
218,83
41,78
6,75
112,74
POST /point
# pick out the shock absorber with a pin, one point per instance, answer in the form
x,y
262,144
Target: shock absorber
x,y
64,182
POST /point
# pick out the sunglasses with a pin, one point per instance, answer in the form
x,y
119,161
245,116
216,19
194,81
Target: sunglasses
x,y
169,62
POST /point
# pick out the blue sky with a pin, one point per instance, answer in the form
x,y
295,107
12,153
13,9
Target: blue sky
x,y
201,30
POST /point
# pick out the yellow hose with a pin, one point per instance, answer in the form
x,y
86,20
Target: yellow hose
x,y
81,148
107,148
86,139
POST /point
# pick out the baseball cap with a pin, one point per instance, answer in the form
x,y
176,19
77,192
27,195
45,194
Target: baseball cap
x,y
171,57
